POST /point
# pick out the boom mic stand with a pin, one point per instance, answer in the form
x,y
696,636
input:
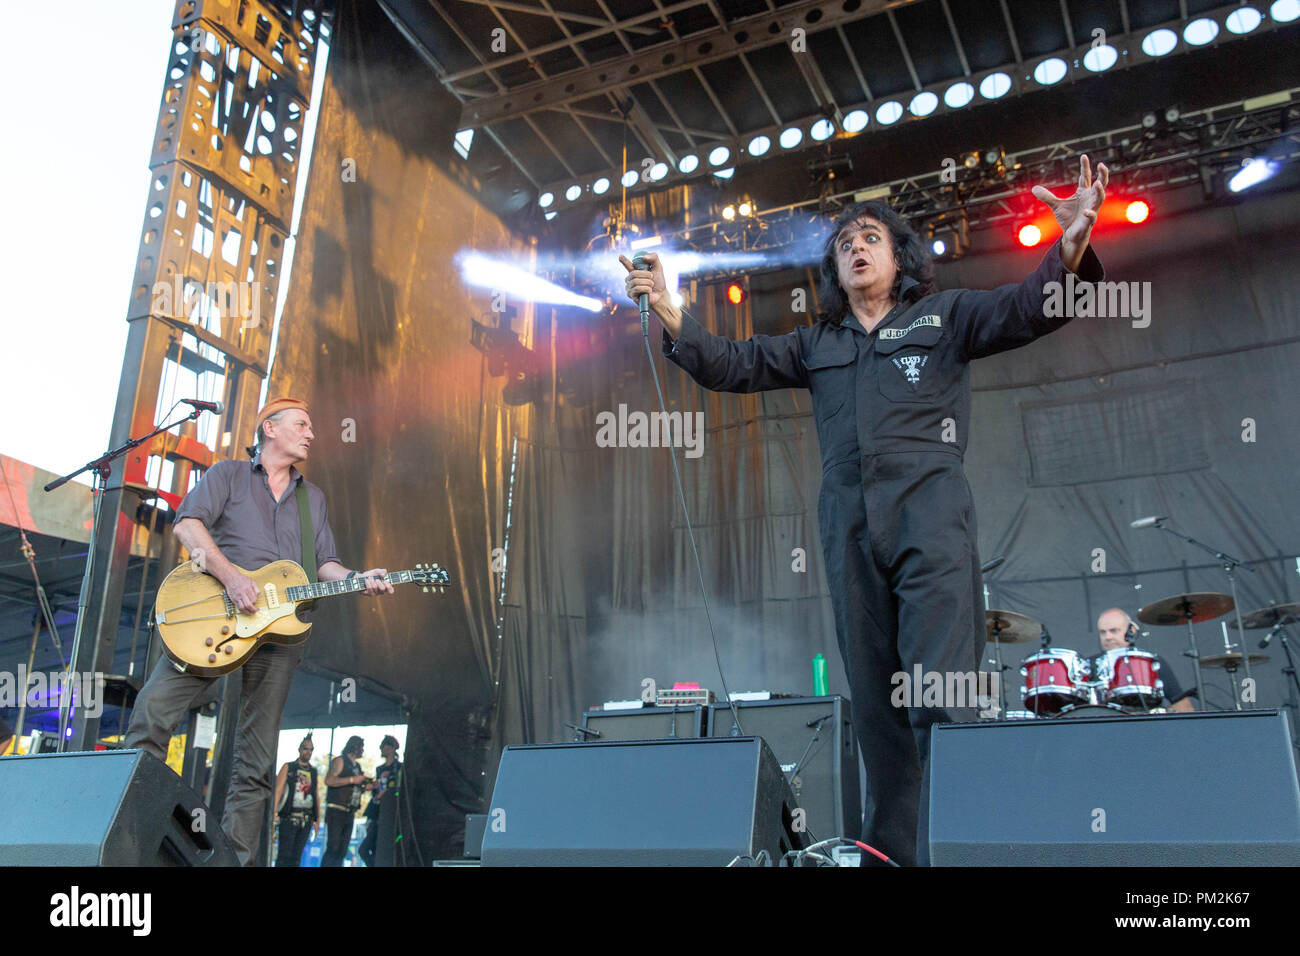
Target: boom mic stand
x,y
1229,565
103,469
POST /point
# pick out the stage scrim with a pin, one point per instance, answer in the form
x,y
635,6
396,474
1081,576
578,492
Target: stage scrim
x,y
1074,437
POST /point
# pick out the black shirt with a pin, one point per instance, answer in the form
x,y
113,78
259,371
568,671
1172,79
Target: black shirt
x,y
385,781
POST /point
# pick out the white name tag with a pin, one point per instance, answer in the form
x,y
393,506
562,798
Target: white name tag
x,y
925,320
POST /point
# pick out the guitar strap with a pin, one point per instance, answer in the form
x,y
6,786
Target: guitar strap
x,y
308,532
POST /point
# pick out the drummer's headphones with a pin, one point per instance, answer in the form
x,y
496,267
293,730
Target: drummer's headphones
x,y
1132,631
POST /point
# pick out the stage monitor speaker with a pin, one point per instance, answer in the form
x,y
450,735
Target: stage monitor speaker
x,y
815,735
645,723
696,802
1212,789
104,808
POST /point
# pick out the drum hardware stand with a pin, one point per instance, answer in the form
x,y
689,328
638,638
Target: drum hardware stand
x,y
1292,684
997,654
1230,564
103,470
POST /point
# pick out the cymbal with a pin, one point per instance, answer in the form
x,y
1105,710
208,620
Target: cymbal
x,y
1012,628
1172,611
1232,660
1267,616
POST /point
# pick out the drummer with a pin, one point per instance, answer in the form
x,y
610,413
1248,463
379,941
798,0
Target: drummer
x,y
1114,628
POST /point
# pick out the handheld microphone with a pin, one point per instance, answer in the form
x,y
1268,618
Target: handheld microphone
x,y
994,563
215,408
1153,522
640,263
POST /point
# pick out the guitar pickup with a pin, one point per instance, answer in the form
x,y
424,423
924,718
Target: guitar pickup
x,y
272,600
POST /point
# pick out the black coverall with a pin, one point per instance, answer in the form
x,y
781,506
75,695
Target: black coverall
x,y
897,521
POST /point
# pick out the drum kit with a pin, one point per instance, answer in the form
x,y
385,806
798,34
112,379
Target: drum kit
x,y
1058,682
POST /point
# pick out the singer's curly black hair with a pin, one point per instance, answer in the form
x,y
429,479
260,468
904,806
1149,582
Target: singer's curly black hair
x,y
910,253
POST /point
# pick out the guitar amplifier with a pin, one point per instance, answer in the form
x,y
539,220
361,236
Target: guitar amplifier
x,y
816,735
647,723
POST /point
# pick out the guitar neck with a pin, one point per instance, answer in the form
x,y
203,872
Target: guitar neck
x,y
310,592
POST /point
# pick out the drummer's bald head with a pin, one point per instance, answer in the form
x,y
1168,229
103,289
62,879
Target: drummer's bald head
x,y
1112,628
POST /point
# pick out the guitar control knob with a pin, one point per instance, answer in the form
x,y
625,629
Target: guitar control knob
x,y
212,658
207,642
225,629
229,649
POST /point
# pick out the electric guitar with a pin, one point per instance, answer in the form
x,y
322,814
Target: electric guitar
x,y
204,633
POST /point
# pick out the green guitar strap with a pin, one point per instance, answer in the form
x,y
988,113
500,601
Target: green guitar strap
x,y
308,533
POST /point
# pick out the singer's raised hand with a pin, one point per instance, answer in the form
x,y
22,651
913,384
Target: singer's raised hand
x,y
651,282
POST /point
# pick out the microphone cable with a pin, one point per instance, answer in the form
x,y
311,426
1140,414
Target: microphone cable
x,y
690,532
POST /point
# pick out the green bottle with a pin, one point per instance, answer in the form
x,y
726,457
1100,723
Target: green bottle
x,y
821,678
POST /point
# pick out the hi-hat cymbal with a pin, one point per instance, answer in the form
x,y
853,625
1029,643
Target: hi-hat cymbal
x,y
1171,611
1010,627
1268,616
1231,661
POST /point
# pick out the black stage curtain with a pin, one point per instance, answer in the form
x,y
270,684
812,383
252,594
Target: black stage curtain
x,y
1073,437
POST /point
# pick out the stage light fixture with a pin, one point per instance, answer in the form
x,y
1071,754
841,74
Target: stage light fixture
x,y
1253,172
735,293
791,137
855,121
728,212
1100,58
545,199
658,171
746,208
1201,31
719,155
1050,72
970,160
938,247
1172,114
1137,211
822,130
758,146
1284,11
550,215
726,173
1242,20
629,178
889,113
1029,235
688,163
600,186
995,86
958,95
464,138
923,104
1159,42
949,237
573,192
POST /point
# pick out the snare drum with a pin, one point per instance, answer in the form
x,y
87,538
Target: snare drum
x,y
1130,677
1054,678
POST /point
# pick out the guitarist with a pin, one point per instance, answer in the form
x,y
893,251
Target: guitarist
x,y
247,514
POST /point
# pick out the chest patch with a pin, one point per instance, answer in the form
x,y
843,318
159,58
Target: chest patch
x,y
925,321
910,366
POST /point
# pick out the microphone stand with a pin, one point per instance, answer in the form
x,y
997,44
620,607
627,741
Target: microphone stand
x,y
1229,565
1292,685
103,469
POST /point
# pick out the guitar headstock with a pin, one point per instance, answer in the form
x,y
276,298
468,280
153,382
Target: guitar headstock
x,y
431,577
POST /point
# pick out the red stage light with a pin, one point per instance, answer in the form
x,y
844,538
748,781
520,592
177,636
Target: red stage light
x,y
735,294
1029,235
1137,211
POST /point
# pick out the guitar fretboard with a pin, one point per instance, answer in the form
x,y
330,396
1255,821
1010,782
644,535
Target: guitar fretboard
x,y
309,592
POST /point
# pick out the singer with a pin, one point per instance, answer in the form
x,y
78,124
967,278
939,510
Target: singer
x,y
887,369
247,514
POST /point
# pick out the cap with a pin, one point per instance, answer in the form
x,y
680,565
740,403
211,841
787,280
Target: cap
x,y
277,405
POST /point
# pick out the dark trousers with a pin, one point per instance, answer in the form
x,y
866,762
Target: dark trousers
x,y
169,695
371,841
293,839
902,566
338,833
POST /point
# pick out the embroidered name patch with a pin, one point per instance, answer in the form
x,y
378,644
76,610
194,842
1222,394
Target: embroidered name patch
x,y
925,320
